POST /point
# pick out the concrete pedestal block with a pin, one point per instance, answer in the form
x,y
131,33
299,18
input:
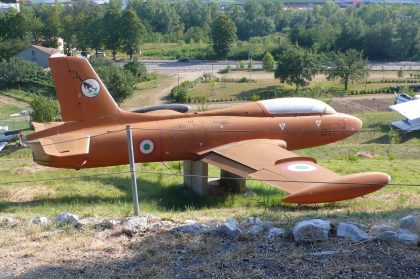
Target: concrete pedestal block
x,y
231,182
195,176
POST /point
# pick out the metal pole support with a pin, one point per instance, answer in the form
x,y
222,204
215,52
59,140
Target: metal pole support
x,y
132,171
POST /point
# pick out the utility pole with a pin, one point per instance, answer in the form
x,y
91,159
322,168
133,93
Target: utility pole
x,y
132,171
250,63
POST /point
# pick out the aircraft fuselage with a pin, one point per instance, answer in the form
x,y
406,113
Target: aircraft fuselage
x,y
184,137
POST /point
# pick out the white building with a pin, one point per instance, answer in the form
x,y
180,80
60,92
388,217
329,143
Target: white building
x,y
4,7
39,54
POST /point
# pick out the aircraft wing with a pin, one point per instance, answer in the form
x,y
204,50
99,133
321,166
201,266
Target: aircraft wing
x,y
2,145
302,177
410,109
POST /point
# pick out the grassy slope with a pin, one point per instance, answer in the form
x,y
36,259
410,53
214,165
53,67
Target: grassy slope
x,y
228,90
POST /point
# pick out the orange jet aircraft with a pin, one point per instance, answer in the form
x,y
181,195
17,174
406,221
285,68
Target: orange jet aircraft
x,y
250,140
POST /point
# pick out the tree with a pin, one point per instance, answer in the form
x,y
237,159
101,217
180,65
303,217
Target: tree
x,y
268,61
118,81
296,66
223,34
19,72
132,32
346,66
114,29
43,109
138,69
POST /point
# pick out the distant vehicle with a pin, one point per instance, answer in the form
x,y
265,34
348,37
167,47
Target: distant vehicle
x,y
85,53
408,107
7,136
100,54
184,59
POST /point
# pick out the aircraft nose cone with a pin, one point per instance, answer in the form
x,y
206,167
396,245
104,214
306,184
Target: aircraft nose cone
x,y
354,123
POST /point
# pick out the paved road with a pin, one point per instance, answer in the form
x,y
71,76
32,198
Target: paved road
x,y
174,67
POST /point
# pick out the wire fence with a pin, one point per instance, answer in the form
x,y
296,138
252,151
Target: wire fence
x,y
65,178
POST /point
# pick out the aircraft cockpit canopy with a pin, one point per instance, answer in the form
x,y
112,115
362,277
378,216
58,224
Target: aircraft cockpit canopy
x,y
296,106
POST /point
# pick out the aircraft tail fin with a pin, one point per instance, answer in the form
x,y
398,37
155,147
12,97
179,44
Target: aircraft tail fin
x,y
80,92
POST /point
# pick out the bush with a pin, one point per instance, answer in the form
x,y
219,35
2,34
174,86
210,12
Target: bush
x,y
240,65
138,69
268,61
179,93
227,70
118,81
43,109
19,72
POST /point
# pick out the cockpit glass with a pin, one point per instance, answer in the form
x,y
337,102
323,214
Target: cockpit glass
x,y
296,106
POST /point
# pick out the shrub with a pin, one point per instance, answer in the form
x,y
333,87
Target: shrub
x,y
240,65
268,61
19,72
43,109
138,69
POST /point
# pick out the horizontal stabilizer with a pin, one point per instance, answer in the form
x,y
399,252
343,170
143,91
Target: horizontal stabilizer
x,y
73,147
43,126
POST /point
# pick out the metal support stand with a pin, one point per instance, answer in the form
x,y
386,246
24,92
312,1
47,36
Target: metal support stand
x,y
132,171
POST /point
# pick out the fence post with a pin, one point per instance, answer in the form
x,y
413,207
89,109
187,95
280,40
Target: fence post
x,y
132,171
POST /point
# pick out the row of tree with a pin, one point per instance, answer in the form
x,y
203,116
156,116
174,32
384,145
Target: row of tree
x,y
298,66
382,32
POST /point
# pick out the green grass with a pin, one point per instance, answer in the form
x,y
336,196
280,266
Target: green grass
x,y
7,110
19,95
110,195
270,88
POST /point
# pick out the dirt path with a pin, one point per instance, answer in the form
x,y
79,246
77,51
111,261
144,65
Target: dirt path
x,y
12,101
155,96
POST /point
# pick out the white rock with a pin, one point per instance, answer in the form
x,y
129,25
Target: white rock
x,y
256,229
191,228
39,220
107,224
66,218
8,221
311,230
408,222
408,238
275,232
133,225
378,229
401,236
161,224
90,221
351,231
230,228
254,220
267,225
388,235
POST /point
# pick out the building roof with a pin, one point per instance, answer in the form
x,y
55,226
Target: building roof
x,y
47,50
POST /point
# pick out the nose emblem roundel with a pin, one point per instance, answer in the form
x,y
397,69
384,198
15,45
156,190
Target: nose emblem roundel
x,y
146,146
